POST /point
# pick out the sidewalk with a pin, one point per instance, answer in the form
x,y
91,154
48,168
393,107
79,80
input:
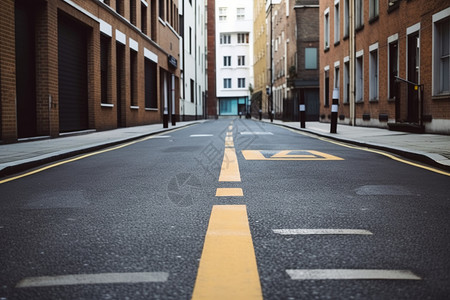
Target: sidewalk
x,y
429,148
432,149
20,156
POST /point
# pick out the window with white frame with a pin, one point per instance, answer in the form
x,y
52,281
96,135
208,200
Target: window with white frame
x,y
373,9
240,13
241,82
243,38
222,13
227,83
359,13
346,18
441,54
225,38
336,22
346,86
336,76
327,28
373,73
359,80
241,60
227,61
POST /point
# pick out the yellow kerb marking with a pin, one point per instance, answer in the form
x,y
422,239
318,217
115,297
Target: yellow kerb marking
x,y
228,268
229,192
230,167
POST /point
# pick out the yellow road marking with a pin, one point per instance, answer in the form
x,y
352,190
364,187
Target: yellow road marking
x,y
230,127
229,133
83,156
435,170
229,192
228,268
284,155
230,167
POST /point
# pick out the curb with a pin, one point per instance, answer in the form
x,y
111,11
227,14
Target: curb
x,y
7,169
427,158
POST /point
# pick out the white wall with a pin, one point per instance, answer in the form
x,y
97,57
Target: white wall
x,y
233,26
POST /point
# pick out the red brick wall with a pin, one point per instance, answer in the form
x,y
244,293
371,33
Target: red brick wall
x,y
389,23
100,117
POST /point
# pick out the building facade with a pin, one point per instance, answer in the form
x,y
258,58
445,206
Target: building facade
x,y
193,65
259,96
212,102
73,65
389,68
234,56
293,28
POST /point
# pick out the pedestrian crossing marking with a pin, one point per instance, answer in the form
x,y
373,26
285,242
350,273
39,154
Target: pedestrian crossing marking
x,y
288,155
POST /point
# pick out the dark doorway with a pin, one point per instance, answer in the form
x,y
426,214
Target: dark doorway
x,y
312,104
413,76
25,69
72,75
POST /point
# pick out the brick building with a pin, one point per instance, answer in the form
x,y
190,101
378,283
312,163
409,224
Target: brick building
x,y
294,28
73,65
390,67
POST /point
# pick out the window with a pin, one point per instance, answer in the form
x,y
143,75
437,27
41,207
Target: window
x,y
327,29
346,17
190,40
225,38
359,84
373,9
105,45
346,82
227,83
311,58
441,55
222,13
243,38
119,7
133,77
241,82
336,23
161,9
359,14
327,88
144,19
151,100
241,60
373,74
336,76
192,91
133,12
227,61
240,14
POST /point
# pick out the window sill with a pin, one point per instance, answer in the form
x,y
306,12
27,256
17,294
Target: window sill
x,y
134,107
108,105
337,43
359,102
360,28
391,99
326,49
373,19
345,37
393,7
151,109
376,100
441,97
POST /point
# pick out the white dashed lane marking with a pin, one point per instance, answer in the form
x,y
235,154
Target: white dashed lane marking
x,y
365,274
321,231
104,278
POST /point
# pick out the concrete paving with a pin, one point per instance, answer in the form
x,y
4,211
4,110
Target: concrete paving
x,y
429,148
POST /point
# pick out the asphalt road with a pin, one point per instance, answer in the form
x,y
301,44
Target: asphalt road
x,y
327,221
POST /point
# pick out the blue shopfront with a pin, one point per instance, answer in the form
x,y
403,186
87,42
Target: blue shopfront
x,y
233,106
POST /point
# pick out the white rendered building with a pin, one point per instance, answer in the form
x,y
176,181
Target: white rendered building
x,y
193,83
234,55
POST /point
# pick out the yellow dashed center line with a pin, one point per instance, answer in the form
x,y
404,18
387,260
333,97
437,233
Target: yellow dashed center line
x,y
228,268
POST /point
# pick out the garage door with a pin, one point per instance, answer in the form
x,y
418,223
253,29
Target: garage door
x,y
72,75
